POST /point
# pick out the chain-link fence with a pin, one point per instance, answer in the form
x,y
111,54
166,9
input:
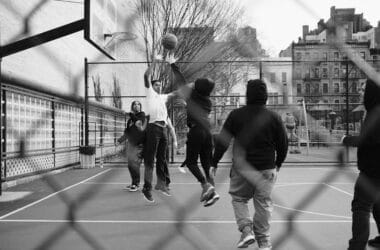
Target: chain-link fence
x,y
43,130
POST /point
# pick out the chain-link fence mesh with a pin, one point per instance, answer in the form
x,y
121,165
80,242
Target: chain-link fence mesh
x,y
43,130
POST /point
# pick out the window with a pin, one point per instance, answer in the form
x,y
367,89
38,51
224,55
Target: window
x,y
336,87
324,72
298,73
316,88
298,56
299,89
283,77
316,73
307,73
354,87
336,101
325,88
336,55
325,56
336,72
307,88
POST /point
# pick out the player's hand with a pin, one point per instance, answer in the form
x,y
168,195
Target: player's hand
x,y
158,58
213,171
170,59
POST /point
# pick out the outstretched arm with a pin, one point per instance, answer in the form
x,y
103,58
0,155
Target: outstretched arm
x,y
172,132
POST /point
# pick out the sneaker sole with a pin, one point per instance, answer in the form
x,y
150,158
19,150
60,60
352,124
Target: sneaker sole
x,y
165,193
183,171
150,201
212,201
206,196
247,243
133,190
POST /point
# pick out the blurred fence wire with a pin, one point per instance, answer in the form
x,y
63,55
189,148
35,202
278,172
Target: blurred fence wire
x,y
42,130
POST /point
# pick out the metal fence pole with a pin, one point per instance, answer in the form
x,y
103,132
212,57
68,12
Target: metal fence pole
x,y
85,102
1,134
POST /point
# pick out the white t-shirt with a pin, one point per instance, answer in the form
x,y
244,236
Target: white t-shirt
x,y
156,105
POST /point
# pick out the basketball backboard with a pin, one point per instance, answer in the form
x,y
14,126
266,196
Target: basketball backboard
x,y
100,25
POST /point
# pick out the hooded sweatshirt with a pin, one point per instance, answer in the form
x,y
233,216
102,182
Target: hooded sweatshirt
x,y
257,130
369,140
199,103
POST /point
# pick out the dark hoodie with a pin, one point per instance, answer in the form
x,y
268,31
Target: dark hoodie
x,y
259,131
134,135
199,103
369,139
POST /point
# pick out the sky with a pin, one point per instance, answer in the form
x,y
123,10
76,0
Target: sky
x,y
279,22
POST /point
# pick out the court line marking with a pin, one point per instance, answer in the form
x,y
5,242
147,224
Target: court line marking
x,y
171,221
313,213
338,189
279,184
51,195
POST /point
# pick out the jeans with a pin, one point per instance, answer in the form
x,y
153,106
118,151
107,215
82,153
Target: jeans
x,y
156,144
366,198
199,143
134,160
242,191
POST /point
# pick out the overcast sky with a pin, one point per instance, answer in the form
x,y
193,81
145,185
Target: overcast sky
x,y
279,22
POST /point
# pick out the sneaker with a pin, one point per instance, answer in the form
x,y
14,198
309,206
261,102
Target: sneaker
x,y
246,238
214,198
207,191
182,170
164,190
147,195
128,187
133,188
375,242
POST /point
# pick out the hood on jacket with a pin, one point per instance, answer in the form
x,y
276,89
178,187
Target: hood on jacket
x,y
256,92
371,95
204,86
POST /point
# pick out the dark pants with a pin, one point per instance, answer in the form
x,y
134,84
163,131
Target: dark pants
x,y
199,143
134,160
366,198
156,144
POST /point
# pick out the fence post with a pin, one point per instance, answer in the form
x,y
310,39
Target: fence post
x,y
86,102
1,133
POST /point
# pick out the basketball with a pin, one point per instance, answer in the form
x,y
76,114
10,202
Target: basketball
x,y
169,41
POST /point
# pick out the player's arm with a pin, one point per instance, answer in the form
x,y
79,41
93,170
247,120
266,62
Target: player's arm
x,y
172,132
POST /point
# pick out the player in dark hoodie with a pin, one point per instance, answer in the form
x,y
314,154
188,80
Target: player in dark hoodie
x,y
199,138
367,186
260,147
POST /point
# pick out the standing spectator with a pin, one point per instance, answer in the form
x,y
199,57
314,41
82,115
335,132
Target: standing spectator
x,y
367,186
260,147
135,134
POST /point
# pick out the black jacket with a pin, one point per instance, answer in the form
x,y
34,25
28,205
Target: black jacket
x,y
259,131
131,132
368,142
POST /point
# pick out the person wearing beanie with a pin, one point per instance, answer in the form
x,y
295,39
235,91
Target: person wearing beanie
x,y
367,185
260,147
199,138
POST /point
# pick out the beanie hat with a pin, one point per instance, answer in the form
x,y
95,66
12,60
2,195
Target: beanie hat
x,y
256,92
204,86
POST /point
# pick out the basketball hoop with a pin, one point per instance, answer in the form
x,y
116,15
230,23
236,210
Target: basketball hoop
x,y
120,36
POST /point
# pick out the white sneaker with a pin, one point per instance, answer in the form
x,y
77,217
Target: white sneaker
x,y
182,170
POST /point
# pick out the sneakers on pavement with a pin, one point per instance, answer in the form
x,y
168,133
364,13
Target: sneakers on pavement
x,y
214,198
207,191
133,188
147,195
375,242
246,238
